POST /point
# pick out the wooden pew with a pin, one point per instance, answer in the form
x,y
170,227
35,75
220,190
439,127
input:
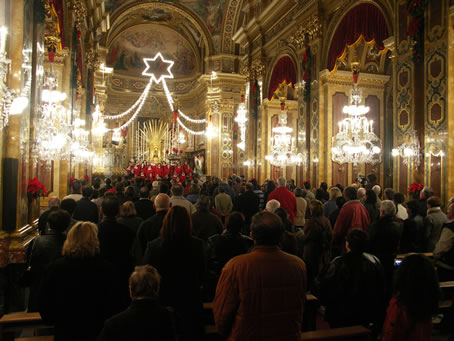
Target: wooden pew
x,y
346,333
36,338
403,255
449,284
10,323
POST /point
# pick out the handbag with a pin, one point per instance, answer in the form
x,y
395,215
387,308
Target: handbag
x,y
25,280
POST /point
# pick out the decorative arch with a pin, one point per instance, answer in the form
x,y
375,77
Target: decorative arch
x,y
284,69
374,25
122,16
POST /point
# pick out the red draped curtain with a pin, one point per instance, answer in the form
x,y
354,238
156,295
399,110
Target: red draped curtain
x,y
284,70
58,7
364,19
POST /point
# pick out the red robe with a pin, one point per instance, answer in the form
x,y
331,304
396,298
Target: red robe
x,y
179,170
286,199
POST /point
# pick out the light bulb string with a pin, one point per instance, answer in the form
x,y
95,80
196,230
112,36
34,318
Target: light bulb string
x,y
139,100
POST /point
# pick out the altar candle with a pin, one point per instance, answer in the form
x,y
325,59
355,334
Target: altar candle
x,y
3,33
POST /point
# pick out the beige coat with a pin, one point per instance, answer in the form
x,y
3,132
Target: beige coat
x,y
301,205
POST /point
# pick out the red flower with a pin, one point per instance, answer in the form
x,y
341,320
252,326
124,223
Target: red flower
x,y
167,151
181,151
71,180
36,188
415,187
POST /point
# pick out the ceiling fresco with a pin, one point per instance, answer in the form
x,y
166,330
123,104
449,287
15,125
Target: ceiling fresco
x,y
209,11
127,51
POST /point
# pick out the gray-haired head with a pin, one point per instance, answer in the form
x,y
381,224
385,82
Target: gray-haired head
x,y
388,208
272,205
281,181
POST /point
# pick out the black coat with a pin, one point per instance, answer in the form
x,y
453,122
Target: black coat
x,y
150,229
144,208
43,251
413,238
352,289
182,270
86,210
115,243
42,222
248,204
205,224
77,296
143,320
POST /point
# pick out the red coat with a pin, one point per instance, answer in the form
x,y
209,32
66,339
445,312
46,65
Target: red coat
x,y
286,199
179,170
352,215
398,325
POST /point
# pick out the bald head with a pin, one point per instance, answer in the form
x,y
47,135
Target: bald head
x,y
361,193
53,202
162,202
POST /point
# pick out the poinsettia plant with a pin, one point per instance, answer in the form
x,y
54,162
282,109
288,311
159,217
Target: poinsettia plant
x,y
414,190
36,189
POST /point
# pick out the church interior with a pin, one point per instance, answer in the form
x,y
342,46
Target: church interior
x,y
316,91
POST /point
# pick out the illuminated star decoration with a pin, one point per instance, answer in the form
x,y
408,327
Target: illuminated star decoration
x,y
158,68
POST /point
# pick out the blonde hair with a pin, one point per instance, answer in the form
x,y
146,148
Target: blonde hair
x,y
82,241
127,209
334,193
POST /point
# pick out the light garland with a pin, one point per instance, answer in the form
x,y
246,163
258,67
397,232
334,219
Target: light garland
x,y
133,117
203,132
127,112
190,119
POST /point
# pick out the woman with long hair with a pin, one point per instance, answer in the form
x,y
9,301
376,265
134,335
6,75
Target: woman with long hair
x,y
415,300
371,205
79,291
179,257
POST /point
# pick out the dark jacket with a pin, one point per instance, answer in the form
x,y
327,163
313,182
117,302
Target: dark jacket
x,y
373,210
143,320
205,224
182,270
150,229
222,248
352,289
86,210
144,208
316,248
413,235
77,296
42,222
43,251
133,223
248,204
115,244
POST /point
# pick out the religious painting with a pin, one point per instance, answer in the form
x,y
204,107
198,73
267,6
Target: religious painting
x,y
211,12
112,5
144,41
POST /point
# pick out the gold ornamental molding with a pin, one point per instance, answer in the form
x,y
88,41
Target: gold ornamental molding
x,y
311,30
366,80
79,10
92,58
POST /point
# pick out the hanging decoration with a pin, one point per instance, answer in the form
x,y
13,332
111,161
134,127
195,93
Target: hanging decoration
x,y
158,69
409,151
307,73
356,141
282,151
415,30
241,119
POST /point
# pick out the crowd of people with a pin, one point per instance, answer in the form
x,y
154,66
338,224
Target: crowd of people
x,y
114,255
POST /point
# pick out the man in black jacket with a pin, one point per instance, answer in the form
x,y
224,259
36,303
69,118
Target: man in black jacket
x,y
144,318
115,241
86,210
151,228
144,206
248,203
352,287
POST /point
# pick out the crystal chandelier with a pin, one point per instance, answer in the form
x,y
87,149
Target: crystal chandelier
x,y
282,151
410,150
356,141
52,126
241,118
79,147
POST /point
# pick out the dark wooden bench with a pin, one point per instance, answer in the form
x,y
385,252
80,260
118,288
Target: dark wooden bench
x,y
403,255
11,323
449,284
346,333
36,338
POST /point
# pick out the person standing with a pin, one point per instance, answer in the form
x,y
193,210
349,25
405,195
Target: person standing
x,y
248,203
260,295
286,199
144,206
86,210
352,215
433,223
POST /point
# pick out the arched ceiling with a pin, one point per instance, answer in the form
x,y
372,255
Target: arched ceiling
x,y
127,50
207,16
